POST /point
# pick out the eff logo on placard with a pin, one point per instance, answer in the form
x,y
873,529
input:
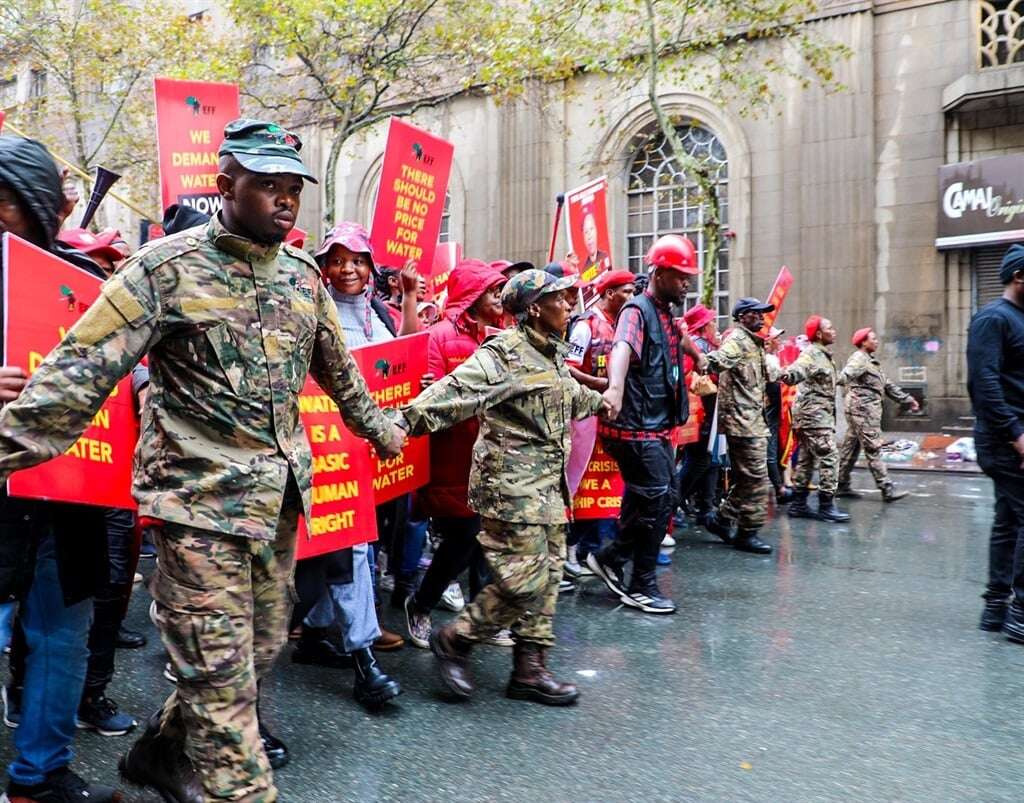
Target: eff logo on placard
x,y
198,108
421,155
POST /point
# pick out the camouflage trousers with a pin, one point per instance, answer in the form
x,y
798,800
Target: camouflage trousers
x,y
222,606
817,451
746,502
867,435
526,564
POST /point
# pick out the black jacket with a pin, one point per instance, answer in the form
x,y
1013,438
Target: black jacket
x,y
80,530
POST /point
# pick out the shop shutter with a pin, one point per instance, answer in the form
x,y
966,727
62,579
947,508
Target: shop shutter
x,y
985,264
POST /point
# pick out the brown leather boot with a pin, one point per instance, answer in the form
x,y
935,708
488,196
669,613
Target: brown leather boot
x,y
155,763
531,680
452,653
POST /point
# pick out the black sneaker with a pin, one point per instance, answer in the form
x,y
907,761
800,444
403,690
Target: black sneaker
x,y
63,786
12,706
612,575
994,615
1013,625
651,602
100,714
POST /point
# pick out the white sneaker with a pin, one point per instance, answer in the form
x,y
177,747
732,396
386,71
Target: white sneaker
x,y
503,638
452,598
668,540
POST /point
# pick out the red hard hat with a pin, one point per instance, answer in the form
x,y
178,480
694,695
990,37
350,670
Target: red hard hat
x,y
673,251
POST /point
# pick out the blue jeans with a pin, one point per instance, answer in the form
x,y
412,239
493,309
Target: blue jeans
x,y
589,535
350,604
54,672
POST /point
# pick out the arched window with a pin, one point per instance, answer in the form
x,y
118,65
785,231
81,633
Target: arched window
x,y
664,200
445,235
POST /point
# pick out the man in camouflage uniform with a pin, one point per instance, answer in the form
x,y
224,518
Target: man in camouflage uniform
x,y
742,377
232,320
866,383
814,421
518,384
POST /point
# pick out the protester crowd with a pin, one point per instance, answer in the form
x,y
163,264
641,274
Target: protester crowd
x,y
524,385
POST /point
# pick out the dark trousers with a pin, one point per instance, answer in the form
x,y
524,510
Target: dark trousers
x,y
774,469
648,470
458,550
1001,462
698,477
392,518
111,602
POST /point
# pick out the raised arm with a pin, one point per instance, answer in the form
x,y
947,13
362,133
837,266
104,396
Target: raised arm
x,y
75,379
479,383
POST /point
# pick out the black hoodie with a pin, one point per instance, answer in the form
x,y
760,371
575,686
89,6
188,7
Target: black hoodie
x,y
80,531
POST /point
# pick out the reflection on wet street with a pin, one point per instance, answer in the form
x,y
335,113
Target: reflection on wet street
x,y
847,666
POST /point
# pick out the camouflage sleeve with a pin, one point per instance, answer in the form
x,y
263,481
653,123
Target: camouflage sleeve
x,y
801,370
336,372
481,382
726,358
585,402
895,392
854,368
72,383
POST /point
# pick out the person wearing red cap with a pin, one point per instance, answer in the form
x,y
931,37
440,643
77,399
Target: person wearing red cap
x,y
99,247
866,384
814,421
648,398
590,343
698,476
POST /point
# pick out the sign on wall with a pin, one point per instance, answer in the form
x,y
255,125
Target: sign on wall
x,y
981,202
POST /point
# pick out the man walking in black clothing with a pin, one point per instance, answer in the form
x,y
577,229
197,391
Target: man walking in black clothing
x,y
648,399
995,364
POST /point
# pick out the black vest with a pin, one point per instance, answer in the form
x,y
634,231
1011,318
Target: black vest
x,y
655,397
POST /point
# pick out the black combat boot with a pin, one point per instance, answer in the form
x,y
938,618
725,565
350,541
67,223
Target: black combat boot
x,y
154,762
827,510
372,687
798,508
316,648
531,680
784,495
846,491
748,541
890,494
716,525
994,614
1013,624
276,750
452,653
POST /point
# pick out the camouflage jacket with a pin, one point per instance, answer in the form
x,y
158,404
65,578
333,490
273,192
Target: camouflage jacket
x,y
231,329
866,383
815,372
518,384
742,375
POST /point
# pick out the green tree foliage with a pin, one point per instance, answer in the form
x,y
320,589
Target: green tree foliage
x,y
93,63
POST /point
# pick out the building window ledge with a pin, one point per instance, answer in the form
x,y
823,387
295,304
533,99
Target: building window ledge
x,y
972,89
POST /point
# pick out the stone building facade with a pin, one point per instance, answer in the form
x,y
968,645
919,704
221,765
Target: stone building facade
x,y
841,187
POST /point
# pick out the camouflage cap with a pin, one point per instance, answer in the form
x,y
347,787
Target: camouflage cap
x,y
264,147
525,288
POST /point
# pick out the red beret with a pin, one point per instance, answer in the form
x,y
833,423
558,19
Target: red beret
x,y
812,326
613,278
861,335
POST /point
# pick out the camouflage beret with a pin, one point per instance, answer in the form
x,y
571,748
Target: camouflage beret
x,y
264,147
525,288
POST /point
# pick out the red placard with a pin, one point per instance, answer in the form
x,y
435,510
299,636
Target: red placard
x,y
446,257
410,198
600,492
587,221
3,116
190,120
778,295
392,371
343,510
43,298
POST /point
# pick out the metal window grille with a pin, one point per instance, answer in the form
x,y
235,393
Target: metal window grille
x,y
662,199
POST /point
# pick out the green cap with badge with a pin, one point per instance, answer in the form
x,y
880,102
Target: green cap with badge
x,y
525,288
264,147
